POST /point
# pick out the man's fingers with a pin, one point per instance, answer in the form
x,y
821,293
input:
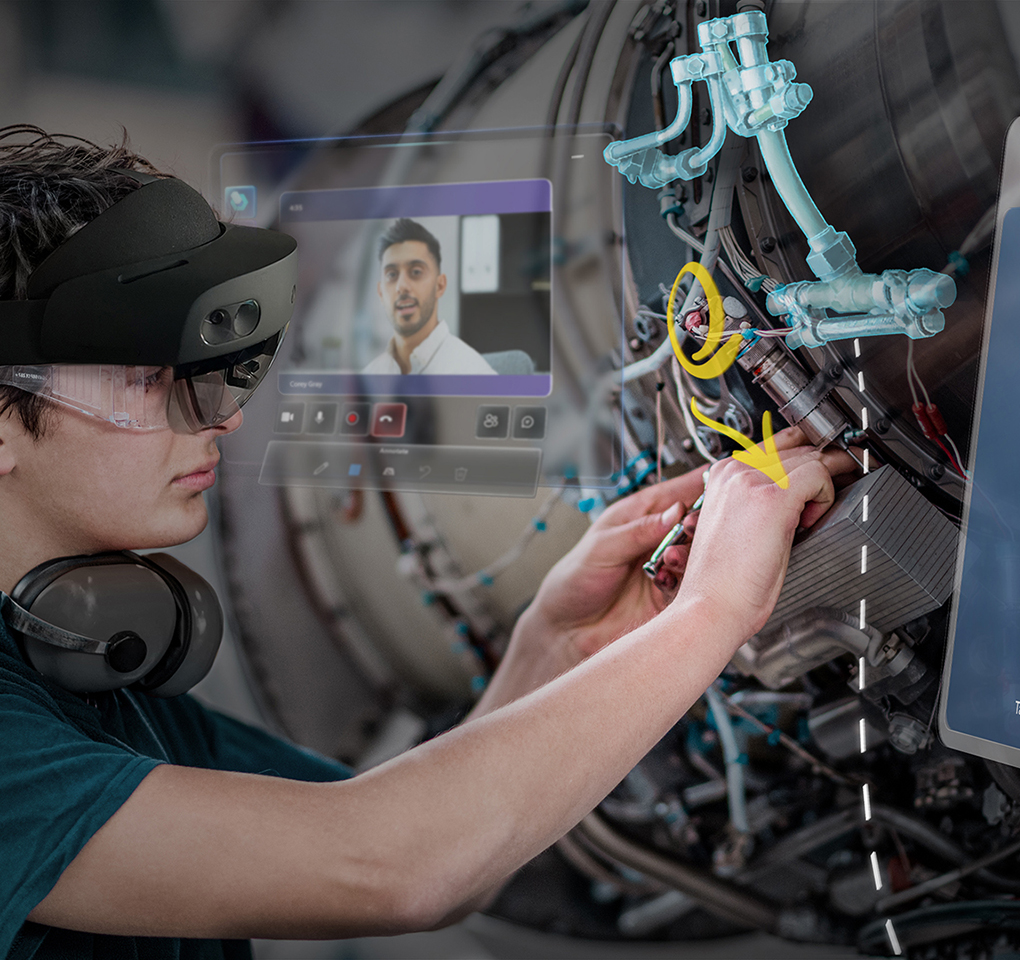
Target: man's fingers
x,y
813,482
636,525
656,498
667,582
789,438
839,462
635,540
675,559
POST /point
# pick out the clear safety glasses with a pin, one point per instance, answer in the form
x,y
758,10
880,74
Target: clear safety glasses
x,y
187,398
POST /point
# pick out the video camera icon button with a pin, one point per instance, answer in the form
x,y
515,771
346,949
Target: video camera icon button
x,y
290,417
354,419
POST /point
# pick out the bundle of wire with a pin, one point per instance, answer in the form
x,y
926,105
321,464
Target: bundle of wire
x,y
929,418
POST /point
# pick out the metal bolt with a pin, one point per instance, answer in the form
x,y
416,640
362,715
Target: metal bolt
x,y
688,444
936,471
701,8
767,244
835,372
635,344
882,425
749,174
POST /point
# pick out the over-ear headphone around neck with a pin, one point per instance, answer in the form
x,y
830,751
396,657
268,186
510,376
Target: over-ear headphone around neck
x,y
112,620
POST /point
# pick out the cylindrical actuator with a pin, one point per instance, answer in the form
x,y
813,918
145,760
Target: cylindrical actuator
x,y
776,370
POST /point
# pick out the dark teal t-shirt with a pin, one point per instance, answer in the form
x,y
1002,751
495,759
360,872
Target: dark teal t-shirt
x,y
66,766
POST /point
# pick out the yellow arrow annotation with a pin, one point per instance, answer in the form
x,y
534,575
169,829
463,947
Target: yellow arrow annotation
x,y
767,460
720,362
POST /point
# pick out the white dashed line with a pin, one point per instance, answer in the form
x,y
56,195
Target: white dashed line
x,y
876,871
894,941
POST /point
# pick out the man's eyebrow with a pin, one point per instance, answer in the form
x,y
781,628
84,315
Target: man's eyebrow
x,y
417,262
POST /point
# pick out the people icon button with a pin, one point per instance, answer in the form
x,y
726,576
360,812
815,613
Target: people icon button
x,y
492,423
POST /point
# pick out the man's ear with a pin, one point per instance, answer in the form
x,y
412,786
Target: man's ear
x,y
440,285
378,289
7,458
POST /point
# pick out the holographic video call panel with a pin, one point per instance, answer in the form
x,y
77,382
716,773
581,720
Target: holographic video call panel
x,y
489,410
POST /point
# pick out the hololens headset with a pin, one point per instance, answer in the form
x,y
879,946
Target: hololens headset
x,y
152,315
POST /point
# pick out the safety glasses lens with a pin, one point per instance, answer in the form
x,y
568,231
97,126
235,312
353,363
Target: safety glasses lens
x,y
204,395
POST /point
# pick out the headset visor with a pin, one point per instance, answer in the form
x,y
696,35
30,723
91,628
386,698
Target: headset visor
x,y
187,398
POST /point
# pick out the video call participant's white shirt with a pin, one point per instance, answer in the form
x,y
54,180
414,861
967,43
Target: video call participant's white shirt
x,y
439,353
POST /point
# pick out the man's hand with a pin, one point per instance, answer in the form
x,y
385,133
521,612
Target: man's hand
x,y
737,562
598,591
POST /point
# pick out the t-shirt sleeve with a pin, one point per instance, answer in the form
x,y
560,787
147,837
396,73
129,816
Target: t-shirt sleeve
x,y
58,787
240,747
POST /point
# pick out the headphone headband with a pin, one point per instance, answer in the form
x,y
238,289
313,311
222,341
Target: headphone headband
x,y
22,620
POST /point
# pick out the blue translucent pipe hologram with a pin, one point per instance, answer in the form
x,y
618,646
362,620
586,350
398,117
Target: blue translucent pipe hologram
x,y
755,97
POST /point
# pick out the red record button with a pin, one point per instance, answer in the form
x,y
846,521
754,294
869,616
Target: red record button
x,y
354,419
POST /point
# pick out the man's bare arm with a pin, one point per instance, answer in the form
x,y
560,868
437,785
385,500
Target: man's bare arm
x,y
202,853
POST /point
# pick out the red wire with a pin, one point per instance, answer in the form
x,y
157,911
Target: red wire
x,y
952,459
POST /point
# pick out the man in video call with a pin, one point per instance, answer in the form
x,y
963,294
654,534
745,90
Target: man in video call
x,y
410,286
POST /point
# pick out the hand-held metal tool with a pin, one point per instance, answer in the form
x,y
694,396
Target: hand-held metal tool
x,y
676,537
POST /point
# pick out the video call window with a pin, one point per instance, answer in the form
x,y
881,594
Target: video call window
x,y
444,291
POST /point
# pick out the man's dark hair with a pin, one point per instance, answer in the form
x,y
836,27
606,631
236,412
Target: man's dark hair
x,y
402,230
50,187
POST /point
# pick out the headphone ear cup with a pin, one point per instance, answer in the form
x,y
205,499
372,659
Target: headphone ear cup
x,y
112,596
191,656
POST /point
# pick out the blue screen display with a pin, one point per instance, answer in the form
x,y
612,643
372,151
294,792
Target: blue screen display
x,y
983,695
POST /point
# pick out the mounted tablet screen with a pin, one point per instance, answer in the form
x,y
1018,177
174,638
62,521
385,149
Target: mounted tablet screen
x,y
980,704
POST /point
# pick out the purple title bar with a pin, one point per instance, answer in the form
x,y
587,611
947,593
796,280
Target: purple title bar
x,y
427,200
416,385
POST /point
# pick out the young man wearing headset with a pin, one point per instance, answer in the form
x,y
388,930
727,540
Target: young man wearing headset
x,y
139,824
